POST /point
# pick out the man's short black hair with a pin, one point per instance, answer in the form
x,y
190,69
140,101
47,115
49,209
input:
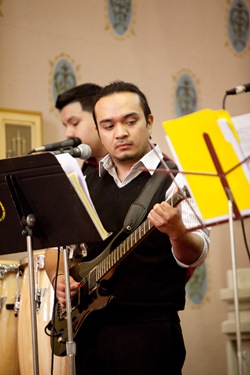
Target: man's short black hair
x,y
120,86
84,94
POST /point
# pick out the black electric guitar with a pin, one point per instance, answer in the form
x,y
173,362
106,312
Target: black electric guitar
x,y
92,276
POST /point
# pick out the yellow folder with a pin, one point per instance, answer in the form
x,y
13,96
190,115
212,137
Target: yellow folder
x,y
187,137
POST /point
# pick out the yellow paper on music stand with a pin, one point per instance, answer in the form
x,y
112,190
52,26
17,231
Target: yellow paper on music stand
x,y
185,137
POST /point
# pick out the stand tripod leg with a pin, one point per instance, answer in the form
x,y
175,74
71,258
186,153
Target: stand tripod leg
x,y
236,298
70,345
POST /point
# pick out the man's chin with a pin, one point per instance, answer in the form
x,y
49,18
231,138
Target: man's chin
x,y
125,157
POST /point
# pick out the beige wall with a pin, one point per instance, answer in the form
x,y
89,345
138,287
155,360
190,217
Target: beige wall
x,y
167,37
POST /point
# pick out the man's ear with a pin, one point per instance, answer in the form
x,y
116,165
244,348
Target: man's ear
x,y
150,121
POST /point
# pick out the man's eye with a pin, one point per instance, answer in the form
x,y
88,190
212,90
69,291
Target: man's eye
x,y
130,122
108,127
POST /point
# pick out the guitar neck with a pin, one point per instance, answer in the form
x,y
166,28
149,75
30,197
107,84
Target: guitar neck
x,y
126,246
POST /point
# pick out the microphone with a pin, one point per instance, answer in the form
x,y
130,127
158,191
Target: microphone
x,y
239,89
82,151
71,142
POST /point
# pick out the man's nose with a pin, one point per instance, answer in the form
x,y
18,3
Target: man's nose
x,y
121,130
70,132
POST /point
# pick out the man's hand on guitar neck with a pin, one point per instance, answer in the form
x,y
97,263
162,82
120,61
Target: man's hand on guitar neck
x,y
59,283
187,246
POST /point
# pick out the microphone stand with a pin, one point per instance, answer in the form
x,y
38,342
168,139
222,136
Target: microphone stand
x,y
70,344
235,289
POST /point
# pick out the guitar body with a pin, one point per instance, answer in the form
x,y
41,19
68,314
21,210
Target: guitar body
x,y
59,334
89,298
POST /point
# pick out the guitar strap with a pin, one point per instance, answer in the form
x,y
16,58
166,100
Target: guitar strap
x,y
138,209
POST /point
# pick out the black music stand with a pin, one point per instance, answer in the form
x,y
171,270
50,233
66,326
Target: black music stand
x,y
38,202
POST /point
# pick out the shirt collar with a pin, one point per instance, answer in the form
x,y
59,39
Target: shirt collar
x,y
149,161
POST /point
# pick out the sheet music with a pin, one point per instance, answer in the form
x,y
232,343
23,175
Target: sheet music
x,y
242,126
70,165
78,181
239,144
187,138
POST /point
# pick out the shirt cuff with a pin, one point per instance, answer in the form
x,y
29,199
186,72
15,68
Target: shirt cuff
x,y
201,258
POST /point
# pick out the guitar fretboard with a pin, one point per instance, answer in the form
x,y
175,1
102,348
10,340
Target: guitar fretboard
x,y
119,252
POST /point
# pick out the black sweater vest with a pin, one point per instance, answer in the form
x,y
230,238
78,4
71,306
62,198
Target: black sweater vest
x,y
149,276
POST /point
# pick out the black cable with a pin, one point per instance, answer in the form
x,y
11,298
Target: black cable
x,y
224,101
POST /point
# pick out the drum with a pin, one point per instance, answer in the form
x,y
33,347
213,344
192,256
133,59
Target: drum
x,y
9,295
44,296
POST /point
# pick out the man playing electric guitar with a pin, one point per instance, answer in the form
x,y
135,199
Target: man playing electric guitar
x,y
139,331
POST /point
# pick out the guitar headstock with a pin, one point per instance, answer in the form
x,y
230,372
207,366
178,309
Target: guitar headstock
x,y
179,196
